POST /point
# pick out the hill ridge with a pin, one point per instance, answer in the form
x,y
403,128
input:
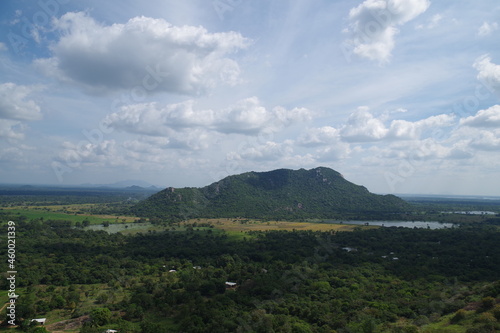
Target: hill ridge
x,y
282,193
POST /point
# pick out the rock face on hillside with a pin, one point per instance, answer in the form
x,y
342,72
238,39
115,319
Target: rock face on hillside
x,y
282,193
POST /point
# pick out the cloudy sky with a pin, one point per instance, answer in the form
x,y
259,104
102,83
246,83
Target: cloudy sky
x,y
401,96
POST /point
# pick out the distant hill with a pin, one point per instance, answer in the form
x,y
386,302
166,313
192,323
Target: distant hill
x,y
123,184
282,193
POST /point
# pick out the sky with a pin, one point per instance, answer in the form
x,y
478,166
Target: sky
x,y
400,96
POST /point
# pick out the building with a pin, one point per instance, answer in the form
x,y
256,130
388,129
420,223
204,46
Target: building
x,y
231,285
40,321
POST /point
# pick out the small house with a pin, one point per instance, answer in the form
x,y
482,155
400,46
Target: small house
x,y
40,321
231,285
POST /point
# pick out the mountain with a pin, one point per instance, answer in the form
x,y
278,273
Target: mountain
x,y
282,193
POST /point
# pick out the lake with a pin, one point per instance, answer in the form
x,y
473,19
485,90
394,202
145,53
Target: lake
x,y
404,224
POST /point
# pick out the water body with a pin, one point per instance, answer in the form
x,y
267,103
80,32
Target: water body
x,y
404,224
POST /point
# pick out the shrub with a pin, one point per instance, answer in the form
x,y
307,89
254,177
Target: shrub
x,y
459,315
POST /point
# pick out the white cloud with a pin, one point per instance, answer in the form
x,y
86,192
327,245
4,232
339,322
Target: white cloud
x,y
10,154
416,152
477,137
319,136
3,47
362,126
487,29
11,129
406,130
484,118
269,151
489,73
247,116
146,150
486,141
335,152
374,25
15,108
144,53
84,153
15,105
328,143
151,119
433,22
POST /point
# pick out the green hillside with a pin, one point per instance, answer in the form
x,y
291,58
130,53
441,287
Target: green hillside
x,y
282,193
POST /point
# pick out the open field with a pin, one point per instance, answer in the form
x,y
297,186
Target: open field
x,y
77,213
244,225
73,213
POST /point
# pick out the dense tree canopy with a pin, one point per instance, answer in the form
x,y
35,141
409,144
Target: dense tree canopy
x,y
362,281
278,194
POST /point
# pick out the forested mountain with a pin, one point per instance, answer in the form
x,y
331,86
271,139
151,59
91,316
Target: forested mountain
x,y
282,193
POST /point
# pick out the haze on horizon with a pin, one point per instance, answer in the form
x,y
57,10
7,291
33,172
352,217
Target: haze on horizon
x,y
398,96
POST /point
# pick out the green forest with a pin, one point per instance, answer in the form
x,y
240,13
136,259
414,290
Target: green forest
x,y
369,280
176,274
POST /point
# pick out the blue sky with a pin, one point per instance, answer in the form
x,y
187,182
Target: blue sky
x,y
398,96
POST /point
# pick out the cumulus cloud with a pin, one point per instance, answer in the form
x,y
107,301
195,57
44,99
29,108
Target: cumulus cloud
x,y
269,151
335,152
15,103
247,116
103,153
144,53
488,72
373,25
319,136
155,147
362,126
15,108
417,151
484,118
486,141
402,129
487,29
327,141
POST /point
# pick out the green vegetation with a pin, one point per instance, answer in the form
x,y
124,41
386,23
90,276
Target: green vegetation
x,y
287,281
170,275
278,194
110,200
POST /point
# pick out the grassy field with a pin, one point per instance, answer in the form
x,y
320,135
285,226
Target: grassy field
x,y
244,225
232,226
67,212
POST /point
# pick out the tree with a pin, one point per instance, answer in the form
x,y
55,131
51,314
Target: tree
x,y
100,316
87,328
38,329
